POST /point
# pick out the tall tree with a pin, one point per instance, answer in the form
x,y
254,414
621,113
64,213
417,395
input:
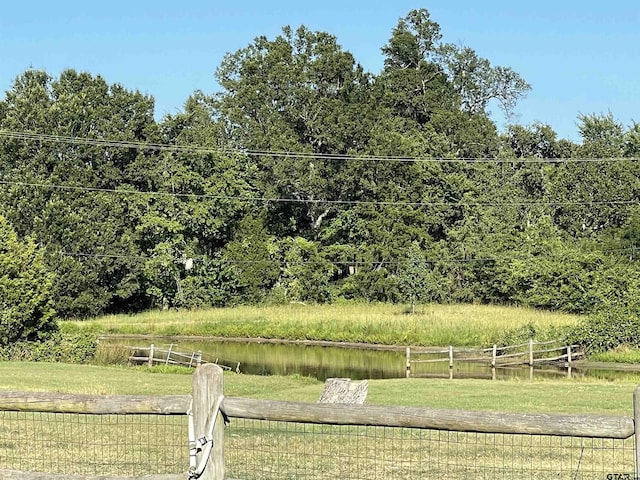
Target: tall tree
x,y
442,75
85,233
299,92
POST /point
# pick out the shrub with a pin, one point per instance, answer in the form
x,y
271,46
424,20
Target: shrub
x,y
60,347
26,306
610,327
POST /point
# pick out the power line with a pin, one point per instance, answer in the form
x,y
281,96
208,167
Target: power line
x,y
347,263
312,201
130,144
354,263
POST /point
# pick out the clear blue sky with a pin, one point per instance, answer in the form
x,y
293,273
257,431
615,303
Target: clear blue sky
x,y
578,56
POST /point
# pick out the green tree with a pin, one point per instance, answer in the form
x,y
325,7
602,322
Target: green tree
x,y
299,92
443,75
537,140
413,277
87,236
253,254
26,307
602,136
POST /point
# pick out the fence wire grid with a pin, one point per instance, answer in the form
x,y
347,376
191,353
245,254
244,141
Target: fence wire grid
x,y
84,444
256,449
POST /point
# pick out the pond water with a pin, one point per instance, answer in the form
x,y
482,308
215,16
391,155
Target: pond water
x,y
358,364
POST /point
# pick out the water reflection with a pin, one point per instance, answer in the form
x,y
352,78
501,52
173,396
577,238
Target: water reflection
x,y
357,364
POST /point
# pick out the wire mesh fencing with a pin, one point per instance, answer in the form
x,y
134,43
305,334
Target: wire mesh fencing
x,y
258,449
86,444
136,435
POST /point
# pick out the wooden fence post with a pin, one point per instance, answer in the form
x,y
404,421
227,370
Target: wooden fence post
x,y
531,352
636,421
151,354
450,362
207,389
198,358
408,367
169,355
494,355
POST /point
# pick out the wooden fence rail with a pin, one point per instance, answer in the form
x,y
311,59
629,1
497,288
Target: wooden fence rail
x,y
207,390
153,355
530,353
597,426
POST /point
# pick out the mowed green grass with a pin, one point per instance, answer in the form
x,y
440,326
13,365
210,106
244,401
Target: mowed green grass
x,y
95,445
461,325
523,396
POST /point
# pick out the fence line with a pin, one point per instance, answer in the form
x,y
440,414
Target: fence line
x,y
153,355
601,426
16,475
270,439
497,356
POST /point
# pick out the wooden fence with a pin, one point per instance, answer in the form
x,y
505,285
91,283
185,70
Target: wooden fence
x,y
524,354
208,392
154,355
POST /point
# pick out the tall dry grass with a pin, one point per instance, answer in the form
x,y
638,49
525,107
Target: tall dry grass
x,y
463,325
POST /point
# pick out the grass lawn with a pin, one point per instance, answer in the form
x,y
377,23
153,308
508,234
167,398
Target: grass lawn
x,y
461,325
544,396
99,445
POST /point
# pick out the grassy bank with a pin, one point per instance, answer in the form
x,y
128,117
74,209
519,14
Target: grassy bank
x,y
461,325
546,396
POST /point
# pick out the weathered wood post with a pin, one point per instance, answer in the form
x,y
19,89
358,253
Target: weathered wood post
x,y
569,359
531,352
207,391
636,422
169,355
198,358
408,364
494,355
152,351
450,362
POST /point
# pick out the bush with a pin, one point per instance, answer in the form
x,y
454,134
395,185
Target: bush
x,y
26,306
612,326
60,347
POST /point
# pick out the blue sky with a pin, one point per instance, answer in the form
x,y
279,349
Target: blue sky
x,y
578,56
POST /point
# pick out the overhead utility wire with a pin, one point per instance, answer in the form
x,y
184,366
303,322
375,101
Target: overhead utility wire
x,y
632,250
314,201
284,262
41,137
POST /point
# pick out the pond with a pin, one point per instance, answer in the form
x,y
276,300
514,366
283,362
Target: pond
x,y
324,362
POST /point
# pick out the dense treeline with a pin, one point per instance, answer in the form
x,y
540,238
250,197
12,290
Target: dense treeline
x,y
315,181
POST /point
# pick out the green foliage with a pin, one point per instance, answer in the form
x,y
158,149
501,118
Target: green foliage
x,y
305,275
59,347
26,310
288,199
414,277
614,325
253,254
619,354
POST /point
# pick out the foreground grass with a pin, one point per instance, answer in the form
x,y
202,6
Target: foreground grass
x,y
136,445
542,396
462,325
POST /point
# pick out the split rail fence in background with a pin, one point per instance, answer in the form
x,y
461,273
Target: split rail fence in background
x,y
525,354
97,436
153,355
